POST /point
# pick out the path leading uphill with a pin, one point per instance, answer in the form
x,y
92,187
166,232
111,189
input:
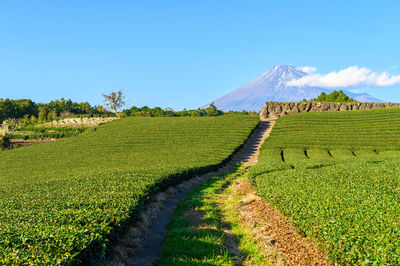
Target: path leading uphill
x,y
142,243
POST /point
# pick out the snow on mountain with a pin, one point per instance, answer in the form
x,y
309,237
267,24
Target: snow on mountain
x,y
271,86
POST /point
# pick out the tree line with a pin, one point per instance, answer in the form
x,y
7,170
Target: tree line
x,y
28,109
29,112
158,111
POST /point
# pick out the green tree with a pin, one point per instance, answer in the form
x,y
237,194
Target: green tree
x,y
85,108
43,113
335,96
212,110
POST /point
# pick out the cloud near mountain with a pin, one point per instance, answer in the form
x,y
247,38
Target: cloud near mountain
x,y
349,77
272,85
308,69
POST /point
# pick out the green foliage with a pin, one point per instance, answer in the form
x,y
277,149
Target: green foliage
x,y
62,202
319,154
269,160
16,108
333,97
29,111
65,107
56,135
4,139
4,136
340,154
295,157
42,129
158,112
339,190
35,132
352,209
377,129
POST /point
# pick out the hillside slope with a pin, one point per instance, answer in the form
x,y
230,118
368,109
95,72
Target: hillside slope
x,y
60,201
335,175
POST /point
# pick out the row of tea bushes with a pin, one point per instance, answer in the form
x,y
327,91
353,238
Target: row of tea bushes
x,y
62,202
335,175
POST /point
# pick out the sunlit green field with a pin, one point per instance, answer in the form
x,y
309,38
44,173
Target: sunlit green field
x,y
60,202
368,129
336,176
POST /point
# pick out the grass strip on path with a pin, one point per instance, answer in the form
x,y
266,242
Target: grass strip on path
x,y
206,231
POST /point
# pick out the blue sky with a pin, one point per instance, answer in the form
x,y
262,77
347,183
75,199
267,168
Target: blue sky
x,y
186,53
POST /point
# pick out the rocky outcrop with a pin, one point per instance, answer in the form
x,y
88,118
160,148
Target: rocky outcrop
x,y
277,109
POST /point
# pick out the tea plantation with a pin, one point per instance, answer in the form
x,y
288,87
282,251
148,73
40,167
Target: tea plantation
x,y
62,202
367,129
336,176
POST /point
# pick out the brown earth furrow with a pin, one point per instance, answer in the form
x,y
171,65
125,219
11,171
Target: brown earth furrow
x,y
275,230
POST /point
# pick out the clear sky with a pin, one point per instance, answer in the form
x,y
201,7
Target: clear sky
x,y
186,53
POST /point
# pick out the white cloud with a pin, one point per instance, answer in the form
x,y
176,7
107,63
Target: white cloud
x,y
308,69
349,77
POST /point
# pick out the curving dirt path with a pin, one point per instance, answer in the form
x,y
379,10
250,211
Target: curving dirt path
x,y
142,243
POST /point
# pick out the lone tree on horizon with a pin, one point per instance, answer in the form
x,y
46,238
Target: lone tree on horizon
x,y
114,101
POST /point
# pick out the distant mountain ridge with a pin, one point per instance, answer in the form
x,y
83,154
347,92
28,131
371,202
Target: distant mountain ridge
x,y
271,86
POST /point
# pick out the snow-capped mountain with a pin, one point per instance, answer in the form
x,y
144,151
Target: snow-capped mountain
x,y
271,86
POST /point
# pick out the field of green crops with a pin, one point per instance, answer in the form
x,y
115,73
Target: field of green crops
x,y
368,129
61,202
336,176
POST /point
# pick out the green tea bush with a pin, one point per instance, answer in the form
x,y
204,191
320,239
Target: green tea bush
x,y
319,154
42,129
269,160
58,135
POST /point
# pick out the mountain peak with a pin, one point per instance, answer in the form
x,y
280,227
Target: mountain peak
x,y
279,74
271,86
285,68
